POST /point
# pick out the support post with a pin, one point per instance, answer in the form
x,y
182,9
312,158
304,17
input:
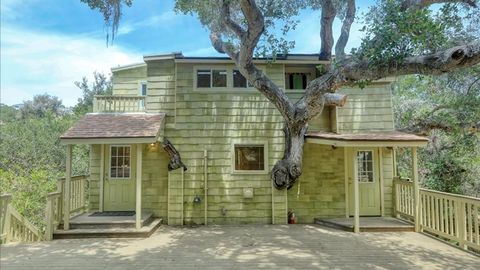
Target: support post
x,y
102,177
66,189
356,194
206,185
416,189
380,178
345,167
138,188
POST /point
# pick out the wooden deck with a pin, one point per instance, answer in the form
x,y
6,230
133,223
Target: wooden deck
x,y
368,224
243,247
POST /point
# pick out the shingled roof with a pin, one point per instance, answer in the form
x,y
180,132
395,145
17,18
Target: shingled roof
x,y
385,138
144,126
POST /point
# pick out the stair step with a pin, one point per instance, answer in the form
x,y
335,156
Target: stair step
x,y
143,232
397,226
107,222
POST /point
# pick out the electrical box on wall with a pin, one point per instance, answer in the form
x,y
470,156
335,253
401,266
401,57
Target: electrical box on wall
x,y
248,193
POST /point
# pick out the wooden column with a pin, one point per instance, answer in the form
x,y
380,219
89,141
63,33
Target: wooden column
x,y
356,194
138,188
102,177
380,178
66,189
345,167
416,190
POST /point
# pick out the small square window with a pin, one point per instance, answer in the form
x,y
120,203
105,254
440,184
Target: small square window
x,y
238,80
249,157
204,78
219,78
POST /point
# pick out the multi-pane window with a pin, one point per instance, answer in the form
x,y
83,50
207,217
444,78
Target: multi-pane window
x,y
207,78
365,166
143,89
296,81
249,157
120,161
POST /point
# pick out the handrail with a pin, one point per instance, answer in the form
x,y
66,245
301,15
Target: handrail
x,y
53,213
16,227
451,216
118,103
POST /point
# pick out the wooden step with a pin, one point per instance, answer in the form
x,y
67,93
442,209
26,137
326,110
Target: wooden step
x,y
117,232
85,221
367,224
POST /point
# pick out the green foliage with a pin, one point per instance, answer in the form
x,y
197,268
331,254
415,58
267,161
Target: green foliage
x,y
31,156
102,85
41,106
447,109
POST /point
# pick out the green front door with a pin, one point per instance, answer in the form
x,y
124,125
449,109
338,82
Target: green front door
x,y
368,181
119,186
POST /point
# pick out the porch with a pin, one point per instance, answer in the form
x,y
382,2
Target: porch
x,y
243,247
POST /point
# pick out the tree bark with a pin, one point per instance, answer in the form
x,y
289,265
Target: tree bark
x,y
175,158
326,32
287,170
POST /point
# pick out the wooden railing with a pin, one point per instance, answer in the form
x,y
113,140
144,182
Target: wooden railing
x,y
404,198
118,103
55,201
450,216
77,193
14,226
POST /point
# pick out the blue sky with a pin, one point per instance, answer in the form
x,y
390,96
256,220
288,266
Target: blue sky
x,y
46,45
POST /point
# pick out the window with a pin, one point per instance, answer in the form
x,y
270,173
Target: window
x,y
365,166
120,161
249,158
211,78
297,81
238,79
143,89
203,78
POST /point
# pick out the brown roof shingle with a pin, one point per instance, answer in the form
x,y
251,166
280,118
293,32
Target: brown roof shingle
x,y
374,136
94,126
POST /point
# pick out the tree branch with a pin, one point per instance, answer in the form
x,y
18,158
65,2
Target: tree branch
x,y
432,64
418,4
326,32
345,31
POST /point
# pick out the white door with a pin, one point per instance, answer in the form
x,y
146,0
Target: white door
x,y
368,181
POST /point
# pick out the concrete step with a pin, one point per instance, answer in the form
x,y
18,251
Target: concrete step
x,y
116,232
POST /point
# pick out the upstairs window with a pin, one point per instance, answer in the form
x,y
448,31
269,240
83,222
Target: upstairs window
x,y
143,89
296,81
239,81
207,78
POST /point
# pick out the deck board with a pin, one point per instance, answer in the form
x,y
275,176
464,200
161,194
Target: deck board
x,y
243,247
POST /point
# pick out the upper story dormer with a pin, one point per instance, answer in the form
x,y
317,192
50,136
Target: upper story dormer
x,y
209,90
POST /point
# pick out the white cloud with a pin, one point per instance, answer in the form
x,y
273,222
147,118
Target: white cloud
x,y
37,62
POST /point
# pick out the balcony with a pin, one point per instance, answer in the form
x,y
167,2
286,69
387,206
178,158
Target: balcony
x,y
118,103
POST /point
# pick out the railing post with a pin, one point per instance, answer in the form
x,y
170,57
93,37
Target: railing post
x,y
416,189
66,194
5,218
460,224
50,216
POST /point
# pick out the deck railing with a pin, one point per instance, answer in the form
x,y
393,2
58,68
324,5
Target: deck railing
x,y
119,103
14,226
453,217
55,201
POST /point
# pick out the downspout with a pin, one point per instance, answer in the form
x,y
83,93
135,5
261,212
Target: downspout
x,y
273,204
183,196
205,186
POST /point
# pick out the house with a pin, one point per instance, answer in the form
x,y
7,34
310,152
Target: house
x,y
229,137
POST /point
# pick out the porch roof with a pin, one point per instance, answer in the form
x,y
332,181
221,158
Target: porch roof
x,y
109,128
373,139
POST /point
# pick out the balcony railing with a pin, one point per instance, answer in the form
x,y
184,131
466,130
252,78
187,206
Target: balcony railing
x,y
118,103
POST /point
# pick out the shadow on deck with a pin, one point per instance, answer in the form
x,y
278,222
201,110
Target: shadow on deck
x,y
368,224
